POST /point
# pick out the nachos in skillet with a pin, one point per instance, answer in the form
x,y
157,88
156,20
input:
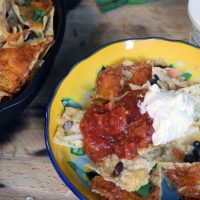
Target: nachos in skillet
x,y
123,133
26,34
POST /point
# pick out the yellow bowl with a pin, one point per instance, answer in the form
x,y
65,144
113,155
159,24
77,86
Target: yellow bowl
x,y
77,85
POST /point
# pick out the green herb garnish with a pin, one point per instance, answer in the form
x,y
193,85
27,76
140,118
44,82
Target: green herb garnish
x,y
100,70
38,15
186,76
93,89
144,190
68,102
171,66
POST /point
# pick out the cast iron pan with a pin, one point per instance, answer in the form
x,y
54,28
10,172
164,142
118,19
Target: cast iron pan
x,y
9,110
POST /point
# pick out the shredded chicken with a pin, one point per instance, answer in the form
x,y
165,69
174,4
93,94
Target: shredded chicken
x,y
108,83
142,72
113,81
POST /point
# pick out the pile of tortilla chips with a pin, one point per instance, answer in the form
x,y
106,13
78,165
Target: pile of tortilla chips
x,y
26,34
141,177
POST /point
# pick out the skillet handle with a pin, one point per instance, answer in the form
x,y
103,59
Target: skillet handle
x,y
71,4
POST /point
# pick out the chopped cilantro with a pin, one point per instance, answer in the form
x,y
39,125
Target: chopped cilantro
x,y
100,70
186,76
38,15
144,190
171,66
68,102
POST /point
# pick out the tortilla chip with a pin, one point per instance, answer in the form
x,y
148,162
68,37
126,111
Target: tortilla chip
x,y
93,167
165,153
193,90
111,191
26,14
156,176
14,40
194,93
11,17
9,81
4,95
151,153
49,31
74,116
3,22
16,63
137,170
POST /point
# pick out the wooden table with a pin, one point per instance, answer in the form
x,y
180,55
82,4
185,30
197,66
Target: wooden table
x,y
25,169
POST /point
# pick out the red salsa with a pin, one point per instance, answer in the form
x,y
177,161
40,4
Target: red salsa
x,y
116,127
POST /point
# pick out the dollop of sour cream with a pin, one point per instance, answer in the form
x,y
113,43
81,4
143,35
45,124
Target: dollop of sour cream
x,y
172,114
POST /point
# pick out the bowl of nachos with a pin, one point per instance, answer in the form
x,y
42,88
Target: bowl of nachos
x,y
29,42
124,123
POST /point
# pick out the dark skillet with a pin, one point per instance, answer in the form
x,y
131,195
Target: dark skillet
x,y
9,110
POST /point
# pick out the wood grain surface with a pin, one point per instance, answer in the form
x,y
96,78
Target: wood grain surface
x,y
25,169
